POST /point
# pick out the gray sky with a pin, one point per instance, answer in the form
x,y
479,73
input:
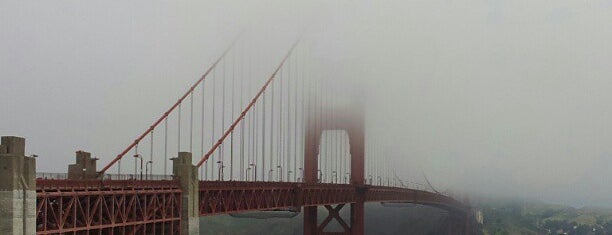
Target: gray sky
x,y
496,97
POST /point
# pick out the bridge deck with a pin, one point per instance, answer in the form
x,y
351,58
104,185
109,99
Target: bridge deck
x,y
222,197
130,206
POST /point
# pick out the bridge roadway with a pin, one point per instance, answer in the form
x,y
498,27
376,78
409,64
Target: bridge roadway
x,y
154,206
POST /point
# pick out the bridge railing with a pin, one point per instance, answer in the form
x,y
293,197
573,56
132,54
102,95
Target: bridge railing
x,y
49,175
63,176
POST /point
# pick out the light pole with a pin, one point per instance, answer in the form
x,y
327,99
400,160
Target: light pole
x,y
247,172
301,178
147,169
254,166
370,179
137,156
347,177
270,172
220,170
334,176
289,175
320,176
280,173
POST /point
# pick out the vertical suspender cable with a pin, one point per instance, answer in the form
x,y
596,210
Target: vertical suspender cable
x,y
305,117
151,154
289,140
326,124
179,128
263,138
250,151
202,134
335,117
221,150
231,165
295,112
255,141
212,137
166,146
280,129
242,77
288,137
320,125
270,176
191,123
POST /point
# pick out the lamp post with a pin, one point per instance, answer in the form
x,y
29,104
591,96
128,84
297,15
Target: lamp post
x,y
254,166
334,176
370,179
136,157
320,176
270,172
247,172
220,170
280,173
301,178
147,169
289,175
347,177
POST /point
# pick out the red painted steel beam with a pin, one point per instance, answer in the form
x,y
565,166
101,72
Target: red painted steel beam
x,y
217,197
120,207
108,207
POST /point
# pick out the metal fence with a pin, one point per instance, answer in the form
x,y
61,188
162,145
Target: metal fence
x,y
63,176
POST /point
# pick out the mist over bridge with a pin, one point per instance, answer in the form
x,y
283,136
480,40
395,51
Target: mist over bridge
x,y
233,142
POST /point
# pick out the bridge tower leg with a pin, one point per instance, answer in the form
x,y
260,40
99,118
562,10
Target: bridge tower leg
x,y
187,174
17,188
466,223
352,120
356,133
311,150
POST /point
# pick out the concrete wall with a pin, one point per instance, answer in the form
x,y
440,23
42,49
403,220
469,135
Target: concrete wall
x,y
187,173
17,188
84,168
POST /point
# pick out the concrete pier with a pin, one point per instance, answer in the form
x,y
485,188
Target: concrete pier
x,y
84,168
17,188
187,173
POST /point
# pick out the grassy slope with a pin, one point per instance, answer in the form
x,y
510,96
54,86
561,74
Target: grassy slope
x,y
527,217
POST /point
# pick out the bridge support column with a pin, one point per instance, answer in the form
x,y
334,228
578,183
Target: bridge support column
x,y
466,225
310,220
187,173
458,224
17,188
357,217
84,168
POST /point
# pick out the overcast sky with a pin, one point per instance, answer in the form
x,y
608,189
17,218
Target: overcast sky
x,y
490,96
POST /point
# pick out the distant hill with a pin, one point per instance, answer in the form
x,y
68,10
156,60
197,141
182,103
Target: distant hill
x,y
513,216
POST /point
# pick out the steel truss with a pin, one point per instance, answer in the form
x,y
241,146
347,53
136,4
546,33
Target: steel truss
x,y
223,197
107,207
